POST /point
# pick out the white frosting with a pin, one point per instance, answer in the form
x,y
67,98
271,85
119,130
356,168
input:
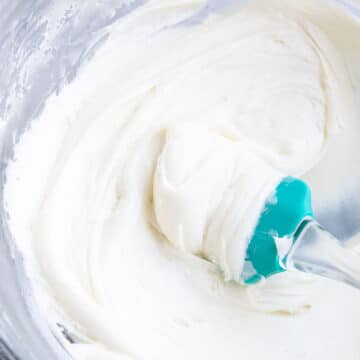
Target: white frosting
x,y
209,192
173,135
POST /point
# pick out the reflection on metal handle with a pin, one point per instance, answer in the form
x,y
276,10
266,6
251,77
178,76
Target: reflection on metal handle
x,y
317,251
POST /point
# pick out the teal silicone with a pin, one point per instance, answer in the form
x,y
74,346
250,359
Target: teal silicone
x,y
283,213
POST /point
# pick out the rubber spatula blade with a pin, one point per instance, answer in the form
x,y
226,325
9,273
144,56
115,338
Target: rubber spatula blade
x,y
287,236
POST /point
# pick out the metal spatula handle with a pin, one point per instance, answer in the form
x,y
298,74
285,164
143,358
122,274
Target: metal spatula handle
x,y
318,252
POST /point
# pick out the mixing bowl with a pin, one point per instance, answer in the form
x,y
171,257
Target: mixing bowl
x,y
42,45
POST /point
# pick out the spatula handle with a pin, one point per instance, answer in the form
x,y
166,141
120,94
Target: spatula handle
x,y
318,252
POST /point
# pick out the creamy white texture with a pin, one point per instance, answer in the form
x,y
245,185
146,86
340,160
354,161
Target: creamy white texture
x,y
259,87
209,192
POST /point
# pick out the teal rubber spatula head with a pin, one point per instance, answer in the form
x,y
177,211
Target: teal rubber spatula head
x,y
287,237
